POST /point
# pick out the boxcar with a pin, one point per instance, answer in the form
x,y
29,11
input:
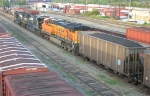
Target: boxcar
x,y
22,74
16,59
119,54
38,84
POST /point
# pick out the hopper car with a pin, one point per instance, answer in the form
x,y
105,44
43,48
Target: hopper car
x,y
116,53
23,74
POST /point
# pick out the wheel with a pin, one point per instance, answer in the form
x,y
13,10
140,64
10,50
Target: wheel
x,y
141,86
90,60
127,79
106,67
148,90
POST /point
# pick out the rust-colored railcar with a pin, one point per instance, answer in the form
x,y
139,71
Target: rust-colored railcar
x,y
140,34
38,84
33,12
116,53
4,33
16,59
22,74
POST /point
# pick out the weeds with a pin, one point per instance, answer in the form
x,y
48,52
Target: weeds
x,y
90,93
109,81
127,92
101,76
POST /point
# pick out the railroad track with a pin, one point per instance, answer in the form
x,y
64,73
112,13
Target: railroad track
x,y
98,87
104,22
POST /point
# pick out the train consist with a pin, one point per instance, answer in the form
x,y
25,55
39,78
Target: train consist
x,y
22,74
125,57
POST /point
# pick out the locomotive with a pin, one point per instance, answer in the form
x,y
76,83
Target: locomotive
x,y
125,57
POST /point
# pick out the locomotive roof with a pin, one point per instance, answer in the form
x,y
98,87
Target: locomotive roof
x,y
75,26
71,26
115,39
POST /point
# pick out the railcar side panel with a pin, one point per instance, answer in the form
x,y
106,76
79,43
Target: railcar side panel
x,y
146,78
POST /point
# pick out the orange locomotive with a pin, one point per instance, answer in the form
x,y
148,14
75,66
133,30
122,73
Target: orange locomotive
x,y
62,33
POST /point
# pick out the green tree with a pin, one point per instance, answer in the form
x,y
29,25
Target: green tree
x,y
4,3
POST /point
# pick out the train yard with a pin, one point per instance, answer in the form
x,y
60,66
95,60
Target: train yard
x,y
89,81
97,86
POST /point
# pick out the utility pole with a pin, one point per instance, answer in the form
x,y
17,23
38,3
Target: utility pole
x,y
9,4
21,2
36,4
119,9
2,3
129,10
85,5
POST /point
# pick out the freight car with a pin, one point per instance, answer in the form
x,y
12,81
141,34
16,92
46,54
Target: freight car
x,y
119,54
140,34
22,74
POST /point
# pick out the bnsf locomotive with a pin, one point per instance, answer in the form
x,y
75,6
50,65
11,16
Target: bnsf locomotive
x,y
125,57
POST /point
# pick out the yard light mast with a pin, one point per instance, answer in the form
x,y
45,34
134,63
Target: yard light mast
x,y
129,10
85,5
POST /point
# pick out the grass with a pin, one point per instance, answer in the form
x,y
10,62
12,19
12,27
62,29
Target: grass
x,y
109,81
146,24
56,66
96,16
113,82
90,93
71,77
127,92
101,76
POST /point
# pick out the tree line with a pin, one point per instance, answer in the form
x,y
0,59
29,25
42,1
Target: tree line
x,y
134,3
